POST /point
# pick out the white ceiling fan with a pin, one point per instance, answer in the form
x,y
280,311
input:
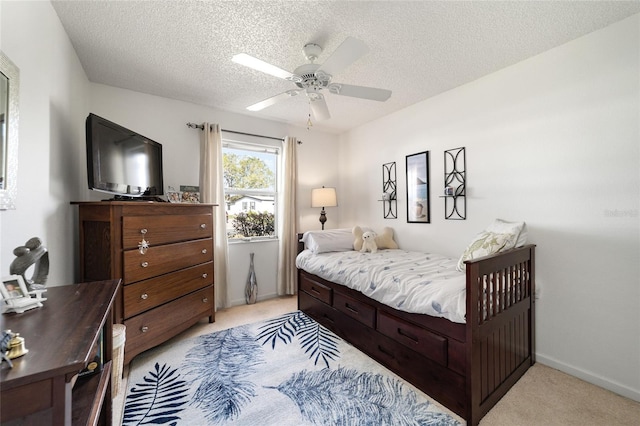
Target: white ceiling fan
x,y
313,78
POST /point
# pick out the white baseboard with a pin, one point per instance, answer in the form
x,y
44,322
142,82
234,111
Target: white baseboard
x,y
238,302
592,378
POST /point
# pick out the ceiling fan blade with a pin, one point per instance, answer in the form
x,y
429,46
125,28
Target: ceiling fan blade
x,y
265,67
347,53
359,92
319,108
272,100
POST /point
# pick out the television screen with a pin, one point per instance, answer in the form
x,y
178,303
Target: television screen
x,y
121,161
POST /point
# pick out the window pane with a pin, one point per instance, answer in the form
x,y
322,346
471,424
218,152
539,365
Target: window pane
x,y
250,190
251,170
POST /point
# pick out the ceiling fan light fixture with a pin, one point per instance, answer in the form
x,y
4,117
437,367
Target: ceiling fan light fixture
x,y
313,78
311,51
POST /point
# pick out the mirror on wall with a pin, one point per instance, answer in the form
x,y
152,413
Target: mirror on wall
x,y
9,85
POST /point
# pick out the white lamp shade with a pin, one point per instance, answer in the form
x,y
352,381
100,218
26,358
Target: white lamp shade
x,y
324,197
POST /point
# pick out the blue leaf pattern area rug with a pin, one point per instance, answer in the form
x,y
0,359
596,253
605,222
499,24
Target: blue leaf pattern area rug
x,y
285,371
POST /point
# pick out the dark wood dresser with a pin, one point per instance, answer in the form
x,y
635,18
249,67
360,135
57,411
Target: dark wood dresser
x,y
168,285
43,387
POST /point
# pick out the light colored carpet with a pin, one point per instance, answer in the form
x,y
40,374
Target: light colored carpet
x,y
543,396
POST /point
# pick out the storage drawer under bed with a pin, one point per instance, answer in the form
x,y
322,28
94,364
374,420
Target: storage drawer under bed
x,y
317,290
356,309
419,339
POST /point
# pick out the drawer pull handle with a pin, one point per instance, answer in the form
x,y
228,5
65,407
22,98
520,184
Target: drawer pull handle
x,y
205,275
205,300
384,351
143,231
144,328
314,291
144,296
203,226
351,308
328,318
144,264
204,251
407,335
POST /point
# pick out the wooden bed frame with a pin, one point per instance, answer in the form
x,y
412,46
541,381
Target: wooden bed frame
x,y
466,367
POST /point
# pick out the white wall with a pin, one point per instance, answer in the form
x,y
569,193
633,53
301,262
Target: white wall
x,y
553,141
53,105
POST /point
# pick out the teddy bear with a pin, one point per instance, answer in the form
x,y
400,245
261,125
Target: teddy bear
x,y
384,240
369,242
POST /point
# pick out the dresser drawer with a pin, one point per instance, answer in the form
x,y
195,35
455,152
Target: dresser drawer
x,y
147,294
168,258
315,289
356,309
420,340
165,229
157,325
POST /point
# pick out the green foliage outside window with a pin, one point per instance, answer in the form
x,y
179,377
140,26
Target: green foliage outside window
x,y
254,224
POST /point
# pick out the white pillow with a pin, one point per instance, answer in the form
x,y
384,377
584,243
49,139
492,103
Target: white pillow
x,y
329,240
484,244
500,226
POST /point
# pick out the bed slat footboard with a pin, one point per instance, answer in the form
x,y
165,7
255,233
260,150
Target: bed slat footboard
x,y
500,318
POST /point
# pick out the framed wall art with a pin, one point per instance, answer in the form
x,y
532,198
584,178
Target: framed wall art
x,y
418,208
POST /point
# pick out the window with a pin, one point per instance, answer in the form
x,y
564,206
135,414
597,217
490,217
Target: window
x,y
250,189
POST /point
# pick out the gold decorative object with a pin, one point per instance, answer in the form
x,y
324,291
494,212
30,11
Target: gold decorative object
x,y
16,347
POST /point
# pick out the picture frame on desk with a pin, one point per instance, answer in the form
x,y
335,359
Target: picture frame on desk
x,y
17,298
13,286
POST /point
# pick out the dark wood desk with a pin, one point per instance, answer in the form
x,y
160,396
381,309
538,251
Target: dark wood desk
x,y
42,387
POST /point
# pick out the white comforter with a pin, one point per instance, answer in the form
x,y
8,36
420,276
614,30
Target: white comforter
x,y
422,283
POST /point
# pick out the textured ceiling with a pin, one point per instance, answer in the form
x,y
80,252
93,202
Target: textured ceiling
x,y
182,49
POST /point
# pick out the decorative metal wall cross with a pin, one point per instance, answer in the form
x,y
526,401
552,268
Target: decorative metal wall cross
x,y
389,191
455,184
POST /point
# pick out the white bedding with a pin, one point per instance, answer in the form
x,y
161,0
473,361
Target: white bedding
x,y
422,283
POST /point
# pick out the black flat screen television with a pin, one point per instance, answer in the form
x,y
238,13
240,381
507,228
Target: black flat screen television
x,y
121,161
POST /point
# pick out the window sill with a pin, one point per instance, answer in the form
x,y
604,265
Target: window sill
x,y
251,240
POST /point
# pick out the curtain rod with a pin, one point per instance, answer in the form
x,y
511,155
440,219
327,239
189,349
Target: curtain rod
x,y
201,127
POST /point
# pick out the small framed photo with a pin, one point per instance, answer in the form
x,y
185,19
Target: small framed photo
x,y
190,193
174,197
13,286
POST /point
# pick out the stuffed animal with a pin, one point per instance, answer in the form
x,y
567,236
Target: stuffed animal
x,y
369,242
384,240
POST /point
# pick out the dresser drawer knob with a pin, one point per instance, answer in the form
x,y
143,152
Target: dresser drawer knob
x,y
204,251
143,231
205,275
205,300
144,264
203,226
144,328
144,296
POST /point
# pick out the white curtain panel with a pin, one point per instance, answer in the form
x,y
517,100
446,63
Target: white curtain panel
x,y
212,191
287,226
